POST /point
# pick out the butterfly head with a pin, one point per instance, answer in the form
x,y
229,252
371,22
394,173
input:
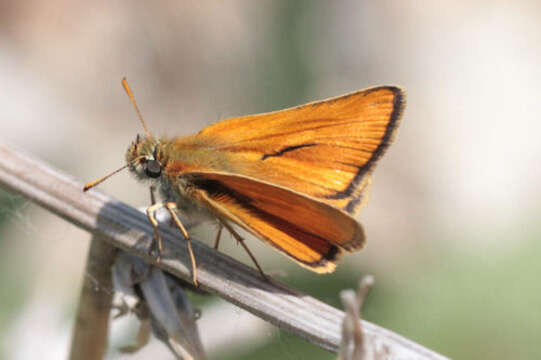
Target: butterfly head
x,y
143,158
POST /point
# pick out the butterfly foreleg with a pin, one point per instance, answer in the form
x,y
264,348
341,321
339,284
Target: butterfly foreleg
x,y
171,207
157,238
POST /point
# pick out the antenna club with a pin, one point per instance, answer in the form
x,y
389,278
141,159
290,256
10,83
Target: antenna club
x,y
132,99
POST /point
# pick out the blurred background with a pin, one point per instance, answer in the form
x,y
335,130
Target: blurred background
x,y
453,222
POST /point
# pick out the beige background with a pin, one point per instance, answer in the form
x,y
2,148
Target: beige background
x,y
453,222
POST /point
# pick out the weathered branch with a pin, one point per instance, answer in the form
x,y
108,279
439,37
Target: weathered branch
x,y
126,228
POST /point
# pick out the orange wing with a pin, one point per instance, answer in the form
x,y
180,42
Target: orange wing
x,y
326,150
311,232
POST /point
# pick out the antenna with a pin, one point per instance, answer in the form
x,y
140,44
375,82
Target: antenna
x,y
132,99
91,184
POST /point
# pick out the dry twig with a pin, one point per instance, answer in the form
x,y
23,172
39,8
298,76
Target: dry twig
x,y
127,228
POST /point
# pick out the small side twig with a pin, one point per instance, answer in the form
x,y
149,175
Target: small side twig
x,y
126,228
353,346
89,339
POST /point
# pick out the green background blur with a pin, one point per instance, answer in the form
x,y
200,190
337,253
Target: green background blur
x,y
453,222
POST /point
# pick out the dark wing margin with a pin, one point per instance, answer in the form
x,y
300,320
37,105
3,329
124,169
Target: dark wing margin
x,y
351,191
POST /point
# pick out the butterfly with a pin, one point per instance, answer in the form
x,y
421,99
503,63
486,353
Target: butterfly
x,y
294,178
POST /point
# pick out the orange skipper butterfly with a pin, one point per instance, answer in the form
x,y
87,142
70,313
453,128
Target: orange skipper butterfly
x,y
294,178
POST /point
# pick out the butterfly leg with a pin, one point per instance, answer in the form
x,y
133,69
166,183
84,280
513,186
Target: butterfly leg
x,y
201,195
150,214
157,238
171,207
218,235
240,240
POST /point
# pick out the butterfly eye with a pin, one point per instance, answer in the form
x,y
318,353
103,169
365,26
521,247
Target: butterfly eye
x,y
153,169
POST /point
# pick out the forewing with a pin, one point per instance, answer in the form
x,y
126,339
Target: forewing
x,y
325,149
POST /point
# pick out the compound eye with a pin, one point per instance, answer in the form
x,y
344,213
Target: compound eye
x,y
153,169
